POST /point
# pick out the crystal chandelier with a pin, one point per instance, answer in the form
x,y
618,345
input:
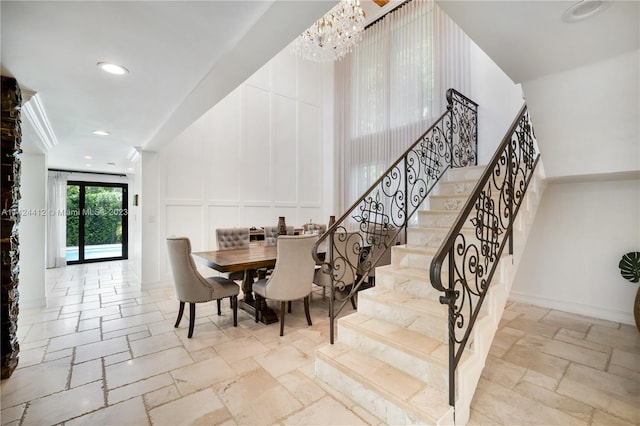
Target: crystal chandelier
x,y
333,35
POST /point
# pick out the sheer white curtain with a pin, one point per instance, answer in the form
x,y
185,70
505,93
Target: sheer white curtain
x,y
56,219
391,88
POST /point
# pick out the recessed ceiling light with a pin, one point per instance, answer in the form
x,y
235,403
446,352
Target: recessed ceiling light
x,y
113,68
584,9
88,165
101,133
87,157
130,169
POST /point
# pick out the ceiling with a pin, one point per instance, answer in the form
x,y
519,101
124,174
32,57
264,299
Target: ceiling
x,y
528,39
185,56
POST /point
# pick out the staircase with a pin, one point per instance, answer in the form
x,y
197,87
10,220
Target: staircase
x,y
392,355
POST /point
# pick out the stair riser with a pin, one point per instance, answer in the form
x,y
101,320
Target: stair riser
x,y
429,372
465,173
414,287
425,323
372,401
427,219
456,187
431,237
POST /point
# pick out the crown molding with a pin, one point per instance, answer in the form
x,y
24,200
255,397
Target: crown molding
x,y
34,111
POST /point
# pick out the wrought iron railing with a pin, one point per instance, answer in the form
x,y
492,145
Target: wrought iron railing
x,y
472,257
355,243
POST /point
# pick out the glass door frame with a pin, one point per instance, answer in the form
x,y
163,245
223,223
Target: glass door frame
x,y
81,220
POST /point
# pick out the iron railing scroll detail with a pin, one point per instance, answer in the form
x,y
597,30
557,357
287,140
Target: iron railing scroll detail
x,y
472,256
356,242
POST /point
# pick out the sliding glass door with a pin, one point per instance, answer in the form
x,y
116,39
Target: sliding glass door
x,y
96,221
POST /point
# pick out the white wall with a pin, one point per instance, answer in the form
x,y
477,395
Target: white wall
x,y
586,119
499,100
33,189
258,154
581,231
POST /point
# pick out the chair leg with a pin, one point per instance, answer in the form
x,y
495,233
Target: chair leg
x,y
306,310
192,318
282,318
354,300
289,306
180,312
234,307
219,311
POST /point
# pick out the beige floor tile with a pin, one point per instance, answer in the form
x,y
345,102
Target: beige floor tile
x,y
511,408
128,322
200,408
476,418
316,414
161,396
256,398
502,372
548,365
620,338
549,398
86,372
27,384
146,366
301,387
528,312
46,330
282,360
65,405
201,375
138,388
73,339
569,321
152,344
601,418
131,412
629,360
540,379
100,349
534,327
579,339
566,351
240,348
610,393
12,414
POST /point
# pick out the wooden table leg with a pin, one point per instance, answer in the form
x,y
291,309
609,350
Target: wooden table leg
x,y
268,315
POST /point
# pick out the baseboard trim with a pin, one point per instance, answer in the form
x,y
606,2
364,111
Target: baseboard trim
x,y
574,308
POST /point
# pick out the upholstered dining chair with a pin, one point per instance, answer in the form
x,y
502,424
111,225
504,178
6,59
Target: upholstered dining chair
x,y
192,288
314,228
292,277
233,238
271,234
346,260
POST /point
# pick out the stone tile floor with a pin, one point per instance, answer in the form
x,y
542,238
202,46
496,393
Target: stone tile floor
x,y
105,352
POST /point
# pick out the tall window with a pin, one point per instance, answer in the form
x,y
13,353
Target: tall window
x,y
392,87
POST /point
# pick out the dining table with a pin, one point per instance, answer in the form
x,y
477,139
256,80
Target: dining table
x,y
249,260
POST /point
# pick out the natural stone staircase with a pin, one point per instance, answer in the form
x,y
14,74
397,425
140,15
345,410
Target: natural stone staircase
x,y
391,356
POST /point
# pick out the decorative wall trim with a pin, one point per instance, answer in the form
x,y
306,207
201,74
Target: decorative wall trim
x,y
37,117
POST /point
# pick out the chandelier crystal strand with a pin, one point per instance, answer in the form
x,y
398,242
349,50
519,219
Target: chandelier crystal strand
x,y
333,35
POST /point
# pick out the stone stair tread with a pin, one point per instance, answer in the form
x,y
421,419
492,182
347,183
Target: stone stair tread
x,y
387,381
409,341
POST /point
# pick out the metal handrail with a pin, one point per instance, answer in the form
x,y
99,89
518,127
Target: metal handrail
x,y
383,211
473,259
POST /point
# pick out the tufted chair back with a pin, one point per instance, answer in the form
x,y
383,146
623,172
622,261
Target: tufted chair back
x,y
232,238
271,234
